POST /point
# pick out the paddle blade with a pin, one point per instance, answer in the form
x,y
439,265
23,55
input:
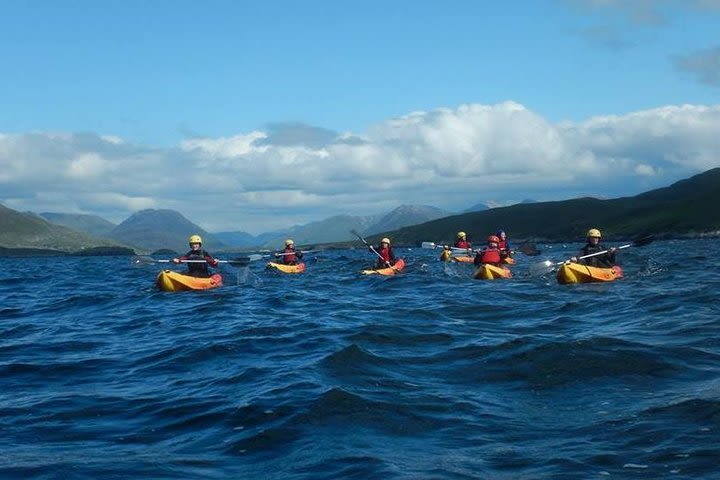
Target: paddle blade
x,y
430,245
642,241
542,268
245,261
529,249
142,260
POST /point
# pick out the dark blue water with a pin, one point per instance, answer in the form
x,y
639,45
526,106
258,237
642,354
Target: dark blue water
x,y
329,374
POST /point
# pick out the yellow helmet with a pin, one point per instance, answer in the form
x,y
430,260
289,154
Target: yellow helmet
x,y
461,234
385,240
195,239
289,242
594,232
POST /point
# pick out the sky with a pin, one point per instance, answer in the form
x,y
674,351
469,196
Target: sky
x,y
257,116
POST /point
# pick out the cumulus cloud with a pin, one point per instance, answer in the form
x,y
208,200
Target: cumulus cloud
x,y
291,173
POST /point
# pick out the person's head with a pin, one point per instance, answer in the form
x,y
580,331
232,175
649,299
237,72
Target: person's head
x,y
501,234
493,241
593,236
461,235
195,242
385,242
289,243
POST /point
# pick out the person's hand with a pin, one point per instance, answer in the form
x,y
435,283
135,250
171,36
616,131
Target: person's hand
x,y
573,259
613,250
176,260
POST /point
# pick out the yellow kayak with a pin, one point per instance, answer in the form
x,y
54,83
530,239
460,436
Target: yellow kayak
x,y
578,273
170,281
399,265
281,267
491,272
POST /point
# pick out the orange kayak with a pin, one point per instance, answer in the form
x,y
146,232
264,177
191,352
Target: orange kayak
x,y
397,268
491,272
509,260
281,267
170,281
464,259
578,273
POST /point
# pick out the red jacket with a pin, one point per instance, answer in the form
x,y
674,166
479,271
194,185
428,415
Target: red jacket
x,y
489,255
463,244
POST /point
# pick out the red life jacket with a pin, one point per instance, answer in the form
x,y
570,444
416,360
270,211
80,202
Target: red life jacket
x,y
385,254
490,255
463,244
289,258
502,245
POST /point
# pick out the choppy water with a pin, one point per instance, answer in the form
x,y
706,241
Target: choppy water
x,y
429,374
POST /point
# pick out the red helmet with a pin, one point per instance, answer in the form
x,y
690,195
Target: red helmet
x,y
493,238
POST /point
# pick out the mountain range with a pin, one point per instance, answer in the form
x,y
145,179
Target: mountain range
x,y
686,208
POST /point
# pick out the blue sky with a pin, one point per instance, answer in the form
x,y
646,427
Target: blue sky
x,y
253,104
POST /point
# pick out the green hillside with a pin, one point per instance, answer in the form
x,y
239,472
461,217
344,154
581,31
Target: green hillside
x,y
686,208
23,230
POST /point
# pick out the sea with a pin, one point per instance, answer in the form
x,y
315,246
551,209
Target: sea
x,y
331,374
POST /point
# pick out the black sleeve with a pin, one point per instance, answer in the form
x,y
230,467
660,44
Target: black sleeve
x,y
299,254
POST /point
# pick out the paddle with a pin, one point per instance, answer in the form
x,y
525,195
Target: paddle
x,y
354,232
547,266
235,262
295,253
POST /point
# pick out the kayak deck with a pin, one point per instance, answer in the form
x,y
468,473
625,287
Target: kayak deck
x,y
578,273
491,272
281,267
398,267
170,281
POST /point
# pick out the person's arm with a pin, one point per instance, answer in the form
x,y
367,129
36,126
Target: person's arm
x,y
210,260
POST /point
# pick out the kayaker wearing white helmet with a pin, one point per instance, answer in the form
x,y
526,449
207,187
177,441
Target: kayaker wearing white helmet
x,y
197,269
593,245
290,256
387,257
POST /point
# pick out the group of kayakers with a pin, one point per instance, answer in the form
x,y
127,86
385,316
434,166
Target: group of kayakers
x,y
496,252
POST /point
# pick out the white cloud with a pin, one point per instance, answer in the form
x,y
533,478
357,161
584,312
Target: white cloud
x,y
451,158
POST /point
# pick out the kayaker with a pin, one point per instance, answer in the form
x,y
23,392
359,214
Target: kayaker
x,y
197,269
290,256
503,244
490,254
593,245
462,241
387,257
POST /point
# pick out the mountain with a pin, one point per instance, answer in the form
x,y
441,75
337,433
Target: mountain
x,y
90,224
480,207
336,228
155,229
405,215
236,239
332,229
685,209
27,230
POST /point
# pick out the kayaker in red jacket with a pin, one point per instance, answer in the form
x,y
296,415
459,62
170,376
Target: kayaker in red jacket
x,y
462,242
290,256
490,254
387,257
593,245
197,269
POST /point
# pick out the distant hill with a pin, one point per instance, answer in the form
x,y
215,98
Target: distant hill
x,y
156,229
405,215
480,207
90,224
336,228
686,208
29,231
